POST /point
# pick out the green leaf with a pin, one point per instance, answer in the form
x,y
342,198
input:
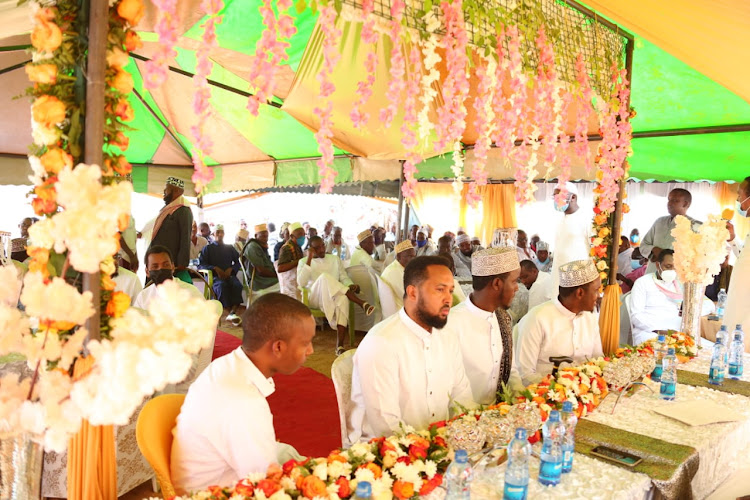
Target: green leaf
x,y
427,6
300,6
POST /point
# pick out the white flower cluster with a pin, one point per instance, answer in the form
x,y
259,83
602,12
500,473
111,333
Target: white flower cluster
x,y
147,352
89,225
698,254
56,300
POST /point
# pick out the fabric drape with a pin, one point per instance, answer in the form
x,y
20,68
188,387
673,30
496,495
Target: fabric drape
x,y
92,464
609,319
498,209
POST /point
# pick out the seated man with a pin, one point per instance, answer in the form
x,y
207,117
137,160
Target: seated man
x,y
565,326
380,249
638,265
241,239
159,268
337,246
544,261
539,284
656,299
424,243
462,254
127,281
283,237
445,248
331,289
393,275
484,326
213,447
522,247
476,243
362,254
197,243
408,369
224,262
290,256
260,270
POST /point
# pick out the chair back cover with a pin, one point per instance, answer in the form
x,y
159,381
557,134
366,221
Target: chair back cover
x,y
388,304
341,373
154,435
361,276
626,327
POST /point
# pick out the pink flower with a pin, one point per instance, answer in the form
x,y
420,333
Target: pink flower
x,y
396,84
364,88
167,24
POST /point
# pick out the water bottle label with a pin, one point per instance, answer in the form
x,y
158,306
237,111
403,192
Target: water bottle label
x,y
513,492
735,370
720,312
716,376
667,390
567,461
656,374
549,472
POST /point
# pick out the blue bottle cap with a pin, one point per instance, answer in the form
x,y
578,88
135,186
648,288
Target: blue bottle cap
x,y
670,351
723,328
461,457
662,338
364,489
567,406
521,433
738,327
554,416
737,336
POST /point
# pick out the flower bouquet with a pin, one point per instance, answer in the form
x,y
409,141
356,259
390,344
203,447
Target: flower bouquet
x,y
684,345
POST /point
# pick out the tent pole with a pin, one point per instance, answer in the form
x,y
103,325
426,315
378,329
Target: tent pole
x,y
94,123
400,202
405,230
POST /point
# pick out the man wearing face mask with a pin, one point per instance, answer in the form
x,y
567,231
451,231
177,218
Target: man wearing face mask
x,y
544,261
573,238
737,311
159,268
656,299
424,243
173,227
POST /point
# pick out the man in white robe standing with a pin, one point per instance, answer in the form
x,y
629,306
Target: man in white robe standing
x,y
408,369
484,325
563,327
659,237
330,287
738,304
393,275
573,238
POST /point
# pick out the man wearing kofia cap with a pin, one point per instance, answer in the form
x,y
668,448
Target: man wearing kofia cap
x,y
393,275
362,254
173,227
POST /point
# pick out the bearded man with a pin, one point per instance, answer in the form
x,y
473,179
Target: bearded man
x,y
173,227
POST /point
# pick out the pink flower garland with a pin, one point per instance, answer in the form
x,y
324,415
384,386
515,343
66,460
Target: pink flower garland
x,y
409,125
563,154
269,52
324,134
585,110
202,144
452,115
396,84
483,124
156,70
547,115
364,88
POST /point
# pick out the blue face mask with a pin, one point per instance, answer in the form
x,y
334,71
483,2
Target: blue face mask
x,y
301,240
422,243
738,204
635,238
635,264
561,208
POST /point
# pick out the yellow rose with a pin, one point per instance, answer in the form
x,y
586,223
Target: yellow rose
x,y
118,304
42,73
48,111
55,160
122,82
596,242
604,232
46,36
131,11
603,275
117,57
601,265
132,41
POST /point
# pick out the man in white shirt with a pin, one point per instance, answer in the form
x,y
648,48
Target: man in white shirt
x,y
128,282
563,327
330,287
737,311
337,246
425,246
463,252
362,254
408,369
522,248
225,428
380,251
484,326
659,237
624,254
544,261
656,299
393,275
159,268
573,238
197,243
539,284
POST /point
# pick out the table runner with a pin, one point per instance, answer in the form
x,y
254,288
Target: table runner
x,y
701,380
670,466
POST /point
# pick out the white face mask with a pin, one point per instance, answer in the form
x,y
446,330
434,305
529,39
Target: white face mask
x,y
669,275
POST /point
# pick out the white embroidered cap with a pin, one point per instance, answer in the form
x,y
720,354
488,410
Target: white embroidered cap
x,y
494,261
577,273
542,245
570,187
364,235
462,238
174,181
403,246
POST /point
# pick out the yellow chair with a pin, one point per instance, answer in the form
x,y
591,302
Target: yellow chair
x,y
153,431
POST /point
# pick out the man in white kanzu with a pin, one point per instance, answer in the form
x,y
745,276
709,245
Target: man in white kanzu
x,y
213,447
565,326
362,254
737,310
659,237
484,326
393,275
538,283
463,252
524,250
331,289
573,238
408,369
159,268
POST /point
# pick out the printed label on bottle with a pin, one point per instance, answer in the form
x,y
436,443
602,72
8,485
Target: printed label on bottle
x,y
735,370
513,492
549,472
716,376
656,374
667,390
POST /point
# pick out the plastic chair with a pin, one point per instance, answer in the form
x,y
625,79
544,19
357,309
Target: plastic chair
x,y
626,326
208,278
388,303
363,276
317,313
341,373
153,431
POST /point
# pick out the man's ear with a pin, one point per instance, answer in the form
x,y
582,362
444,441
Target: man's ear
x,y
411,292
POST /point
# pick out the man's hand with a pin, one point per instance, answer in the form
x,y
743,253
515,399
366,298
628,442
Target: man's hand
x,y
730,228
354,288
656,251
621,277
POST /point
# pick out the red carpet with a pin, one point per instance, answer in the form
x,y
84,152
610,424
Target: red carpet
x,y
305,412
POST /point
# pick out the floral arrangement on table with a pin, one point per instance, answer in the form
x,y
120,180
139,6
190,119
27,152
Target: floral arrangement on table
x,y
684,345
699,252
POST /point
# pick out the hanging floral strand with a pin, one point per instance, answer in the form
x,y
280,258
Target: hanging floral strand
x,y
269,52
409,136
484,122
358,116
156,70
396,84
324,112
202,144
584,95
430,76
563,153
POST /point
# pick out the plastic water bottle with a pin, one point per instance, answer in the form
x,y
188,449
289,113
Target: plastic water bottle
x,y
721,303
517,469
363,491
550,468
716,372
738,329
569,421
736,352
458,477
668,375
659,352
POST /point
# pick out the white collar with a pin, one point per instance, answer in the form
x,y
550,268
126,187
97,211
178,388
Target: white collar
x,y
564,310
251,373
477,311
415,328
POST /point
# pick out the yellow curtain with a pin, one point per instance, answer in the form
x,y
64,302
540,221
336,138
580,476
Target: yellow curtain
x,y
727,195
609,319
436,204
92,466
498,209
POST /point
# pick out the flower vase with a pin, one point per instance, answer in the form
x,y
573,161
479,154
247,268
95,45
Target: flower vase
x,y
692,305
20,468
